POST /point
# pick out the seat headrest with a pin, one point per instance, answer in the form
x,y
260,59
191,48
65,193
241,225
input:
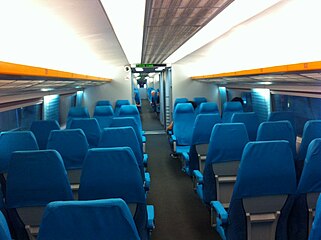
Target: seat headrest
x,y
103,111
232,107
103,103
78,112
128,110
208,107
311,130
184,108
203,126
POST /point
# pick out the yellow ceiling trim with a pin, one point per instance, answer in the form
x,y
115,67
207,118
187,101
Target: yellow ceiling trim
x,y
298,67
24,70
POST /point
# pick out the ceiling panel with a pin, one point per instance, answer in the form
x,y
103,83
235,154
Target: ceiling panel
x,y
170,23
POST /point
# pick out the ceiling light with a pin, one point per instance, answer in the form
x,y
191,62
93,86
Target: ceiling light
x,y
138,69
46,89
225,21
159,69
130,35
136,74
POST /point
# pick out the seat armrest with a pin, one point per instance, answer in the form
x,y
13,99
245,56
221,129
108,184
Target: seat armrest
x,y
145,160
174,140
199,176
220,210
185,156
147,181
144,139
150,217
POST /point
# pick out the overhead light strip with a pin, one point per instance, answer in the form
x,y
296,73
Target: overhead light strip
x,y
127,19
225,21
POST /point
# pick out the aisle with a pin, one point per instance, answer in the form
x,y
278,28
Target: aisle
x,y
179,213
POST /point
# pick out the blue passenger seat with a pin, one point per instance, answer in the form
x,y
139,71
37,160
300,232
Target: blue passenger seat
x,y
35,178
125,137
84,220
77,112
4,229
41,129
315,233
229,108
118,105
182,128
114,173
73,146
131,111
222,161
262,195
199,100
208,107
180,100
279,130
250,121
203,125
90,127
103,103
283,115
104,115
308,191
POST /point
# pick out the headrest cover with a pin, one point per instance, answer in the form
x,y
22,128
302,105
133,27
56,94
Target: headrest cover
x,y
103,103
250,121
227,142
103,111
128,110
312,130
266,168
111,173
183,108
122,102
203,126
36,178
41,129
78,112
82,220
15,141
180,100
127,122
310,180
208,107
199,100
232,107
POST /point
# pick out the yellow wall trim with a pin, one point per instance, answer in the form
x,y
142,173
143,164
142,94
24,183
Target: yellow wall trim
x,y
298,67
24,70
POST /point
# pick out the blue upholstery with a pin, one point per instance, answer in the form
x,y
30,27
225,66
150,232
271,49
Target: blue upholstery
x,y
266,169
226,144
202,130
83,220
131,111
90,127
199,100
128,122
229,108
311,130
4,230
36,178
15,141
77,112
208,107
114,173
123,137
120,103
103,103
315,233
283,115
41,129
250,121
310,182
180,100
183,123
279,130
104,115
71,144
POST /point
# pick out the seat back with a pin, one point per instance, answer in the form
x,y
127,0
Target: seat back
x,y
41,129
260,204
90,127
128,122
199,100
104,115
311,130
71,144
118,105
222,160
114,173
180,100
250,121
103,103
229,108
283,115
183,123
131,111
96,219
315,233
77,112
202,129
280,130
4,229
208,107
309,189
15,141
123,137
36,178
